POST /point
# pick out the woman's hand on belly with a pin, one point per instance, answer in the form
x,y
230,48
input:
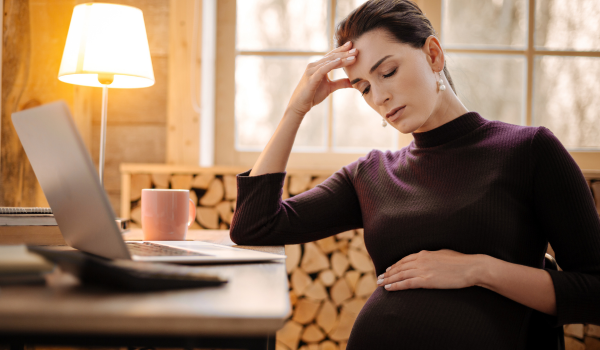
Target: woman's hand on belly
x,y
441,269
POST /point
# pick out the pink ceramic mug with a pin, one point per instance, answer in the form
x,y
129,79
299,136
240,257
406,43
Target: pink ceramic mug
x,y
166,214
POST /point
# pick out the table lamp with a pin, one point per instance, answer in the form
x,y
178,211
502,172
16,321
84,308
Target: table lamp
x,y
106,47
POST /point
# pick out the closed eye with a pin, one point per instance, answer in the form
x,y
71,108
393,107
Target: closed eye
x,y
366,91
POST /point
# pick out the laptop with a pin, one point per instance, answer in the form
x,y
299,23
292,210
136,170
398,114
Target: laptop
x,y
80,205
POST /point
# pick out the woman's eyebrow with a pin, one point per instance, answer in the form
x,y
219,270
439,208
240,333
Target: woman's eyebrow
x,y
372,69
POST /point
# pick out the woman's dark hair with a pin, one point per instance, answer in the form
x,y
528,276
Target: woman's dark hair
x,y
402,19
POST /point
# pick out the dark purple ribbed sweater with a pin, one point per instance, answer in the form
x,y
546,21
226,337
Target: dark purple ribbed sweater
x,y
471,185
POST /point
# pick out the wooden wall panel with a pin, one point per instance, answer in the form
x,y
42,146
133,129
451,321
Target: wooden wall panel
x,y
183,135
34,34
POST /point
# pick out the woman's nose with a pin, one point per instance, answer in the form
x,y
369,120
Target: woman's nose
x,y
380,97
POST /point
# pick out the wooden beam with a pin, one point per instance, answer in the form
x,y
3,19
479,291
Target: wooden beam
x,y
183,122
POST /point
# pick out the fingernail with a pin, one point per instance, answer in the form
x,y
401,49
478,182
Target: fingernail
x,y
380,281
346,44
350,58
380,276
388,286
388,268
337,59
352,51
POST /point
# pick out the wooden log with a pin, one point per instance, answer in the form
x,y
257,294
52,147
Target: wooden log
x,y
300,281
136,214
341,331
358,243
293,298
207,217
223,226
316,181
312,334
286,193
342,345
574,344
289,335
233,205
352,277
230,186
214,194
327,316
316,291
194,198
345,235
181,182
354,305
574,330
161,180
327,277
305,310
139,182
327,245
293,253
312,346
328,345
299,183
195,226
280,346
339,263
360,260
591,343
202,181
313,259
592,330
367,285
340,292
342,246
225,212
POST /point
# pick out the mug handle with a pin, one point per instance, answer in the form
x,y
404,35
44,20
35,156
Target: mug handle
x,y
192,214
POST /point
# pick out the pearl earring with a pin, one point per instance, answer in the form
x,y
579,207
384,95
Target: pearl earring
x,y
383,123
441,81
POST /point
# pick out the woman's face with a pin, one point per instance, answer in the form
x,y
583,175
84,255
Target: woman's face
x,y
393,75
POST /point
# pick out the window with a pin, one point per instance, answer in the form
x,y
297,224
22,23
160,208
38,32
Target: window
x,y
528,62
275,41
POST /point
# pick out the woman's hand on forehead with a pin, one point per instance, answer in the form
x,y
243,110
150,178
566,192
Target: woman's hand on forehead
x,y
315,85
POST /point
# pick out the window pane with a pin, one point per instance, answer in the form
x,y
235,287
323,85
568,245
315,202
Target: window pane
x,y
492,85
296,25
567,24
484,23
566,99
344,7
264,86
356,126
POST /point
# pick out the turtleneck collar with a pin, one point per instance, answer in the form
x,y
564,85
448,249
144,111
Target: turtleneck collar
x,y
449,131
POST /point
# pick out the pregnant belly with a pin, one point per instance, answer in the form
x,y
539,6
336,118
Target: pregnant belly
x,y
468,318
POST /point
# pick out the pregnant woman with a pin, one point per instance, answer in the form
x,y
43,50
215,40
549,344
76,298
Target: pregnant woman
x,y
457,223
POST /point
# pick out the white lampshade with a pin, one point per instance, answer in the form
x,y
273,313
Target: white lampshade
x,y
107,40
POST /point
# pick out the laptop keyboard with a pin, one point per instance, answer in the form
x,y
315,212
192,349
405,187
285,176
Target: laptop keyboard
x,y
153,249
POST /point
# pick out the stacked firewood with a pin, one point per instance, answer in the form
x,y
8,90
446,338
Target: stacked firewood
x,y
214,196
330,281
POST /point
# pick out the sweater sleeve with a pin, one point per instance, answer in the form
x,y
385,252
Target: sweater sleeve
x,y
262,218
565,210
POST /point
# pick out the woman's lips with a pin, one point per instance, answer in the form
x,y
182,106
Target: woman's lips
x,y
396,115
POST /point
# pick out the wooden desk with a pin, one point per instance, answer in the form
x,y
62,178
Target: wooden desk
x,y
244,313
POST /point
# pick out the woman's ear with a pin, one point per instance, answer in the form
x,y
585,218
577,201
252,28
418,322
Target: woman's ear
x,y
434,53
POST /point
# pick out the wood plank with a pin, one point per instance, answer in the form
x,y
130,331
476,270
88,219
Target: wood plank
x,y
35,235
125,195
183,122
